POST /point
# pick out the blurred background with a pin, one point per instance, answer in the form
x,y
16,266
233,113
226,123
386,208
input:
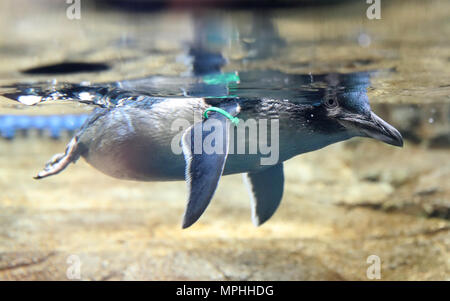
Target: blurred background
x,y
341,204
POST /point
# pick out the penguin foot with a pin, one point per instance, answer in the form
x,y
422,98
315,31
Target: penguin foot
x,y
60,161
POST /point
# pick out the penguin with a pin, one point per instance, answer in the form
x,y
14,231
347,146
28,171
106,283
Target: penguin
x,y
134,136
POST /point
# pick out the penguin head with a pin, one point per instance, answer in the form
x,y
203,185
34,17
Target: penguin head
x,y
348,114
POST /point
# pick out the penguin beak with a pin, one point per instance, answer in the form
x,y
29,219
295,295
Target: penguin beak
x,y
374,127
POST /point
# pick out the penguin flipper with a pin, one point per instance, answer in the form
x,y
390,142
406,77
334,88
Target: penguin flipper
x,y
203,167
266,190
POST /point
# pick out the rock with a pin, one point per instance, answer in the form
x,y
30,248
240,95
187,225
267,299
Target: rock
x,y
440,140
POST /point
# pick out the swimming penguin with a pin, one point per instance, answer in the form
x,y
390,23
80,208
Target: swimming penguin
x,y
134,139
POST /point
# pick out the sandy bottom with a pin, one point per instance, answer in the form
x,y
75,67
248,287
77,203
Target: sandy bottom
x,y
341,205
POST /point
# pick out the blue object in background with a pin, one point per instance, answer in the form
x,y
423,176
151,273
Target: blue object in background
x,y
55,124
7,126
21,122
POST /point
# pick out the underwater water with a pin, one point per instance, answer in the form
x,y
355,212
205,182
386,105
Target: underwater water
x,y
341,203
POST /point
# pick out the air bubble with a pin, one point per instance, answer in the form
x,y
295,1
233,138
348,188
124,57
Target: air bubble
x,y
364,40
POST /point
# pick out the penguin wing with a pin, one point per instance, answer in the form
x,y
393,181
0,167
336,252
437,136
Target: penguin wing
x,y
266,190
205,148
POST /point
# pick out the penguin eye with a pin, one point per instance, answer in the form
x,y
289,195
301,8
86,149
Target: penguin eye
x,y
331,102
